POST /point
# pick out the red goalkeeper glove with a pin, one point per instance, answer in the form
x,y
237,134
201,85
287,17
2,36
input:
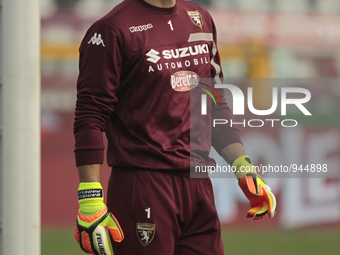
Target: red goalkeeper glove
x,y
94,223
262,200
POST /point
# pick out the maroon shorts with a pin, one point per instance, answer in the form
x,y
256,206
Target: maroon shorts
x,y
165,214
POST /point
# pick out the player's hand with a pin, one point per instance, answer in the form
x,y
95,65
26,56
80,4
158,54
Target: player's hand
x,y
94,223
262,200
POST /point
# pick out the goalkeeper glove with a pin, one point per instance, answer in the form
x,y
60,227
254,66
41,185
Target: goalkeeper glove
x,y
262,200
94,223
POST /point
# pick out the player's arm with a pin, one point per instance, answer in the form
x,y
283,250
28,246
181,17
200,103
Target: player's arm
x,y
232,152
99,70
227,142
89,173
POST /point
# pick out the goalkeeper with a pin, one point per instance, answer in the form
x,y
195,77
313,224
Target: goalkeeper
x,y
135,71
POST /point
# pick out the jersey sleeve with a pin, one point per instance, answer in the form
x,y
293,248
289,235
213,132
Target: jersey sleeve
x,y
222,135
100,66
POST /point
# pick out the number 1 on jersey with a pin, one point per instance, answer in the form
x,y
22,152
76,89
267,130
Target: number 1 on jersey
x,y
148,212
170,24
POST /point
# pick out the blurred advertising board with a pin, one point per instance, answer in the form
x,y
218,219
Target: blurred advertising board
x,y
302,31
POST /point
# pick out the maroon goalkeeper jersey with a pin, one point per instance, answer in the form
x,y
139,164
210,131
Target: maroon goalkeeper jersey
x,y
136,64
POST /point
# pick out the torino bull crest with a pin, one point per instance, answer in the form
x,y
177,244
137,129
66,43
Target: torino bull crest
x,y
196,18
145,232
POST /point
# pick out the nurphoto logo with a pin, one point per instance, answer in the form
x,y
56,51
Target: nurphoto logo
x,y
239,105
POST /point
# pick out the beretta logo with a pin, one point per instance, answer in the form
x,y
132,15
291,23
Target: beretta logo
x,y
184,80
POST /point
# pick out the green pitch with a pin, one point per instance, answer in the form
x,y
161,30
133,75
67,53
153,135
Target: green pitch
x,y
303,242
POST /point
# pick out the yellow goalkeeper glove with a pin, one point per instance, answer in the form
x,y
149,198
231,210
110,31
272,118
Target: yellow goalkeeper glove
x,y
262,200
94,223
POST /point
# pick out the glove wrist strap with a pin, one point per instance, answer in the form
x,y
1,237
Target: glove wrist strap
x,y
89,185
243,165
90,196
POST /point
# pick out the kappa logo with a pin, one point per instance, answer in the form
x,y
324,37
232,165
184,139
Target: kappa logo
x,y
97,40
196,18
145,232
140,28
153,56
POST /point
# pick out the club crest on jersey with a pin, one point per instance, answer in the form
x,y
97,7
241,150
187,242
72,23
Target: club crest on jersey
x,y
145,232
196,18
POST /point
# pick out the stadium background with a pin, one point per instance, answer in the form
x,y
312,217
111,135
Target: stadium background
x,y
256,39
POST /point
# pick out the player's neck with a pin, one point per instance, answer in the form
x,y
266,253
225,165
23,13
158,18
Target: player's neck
x,y
162,3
